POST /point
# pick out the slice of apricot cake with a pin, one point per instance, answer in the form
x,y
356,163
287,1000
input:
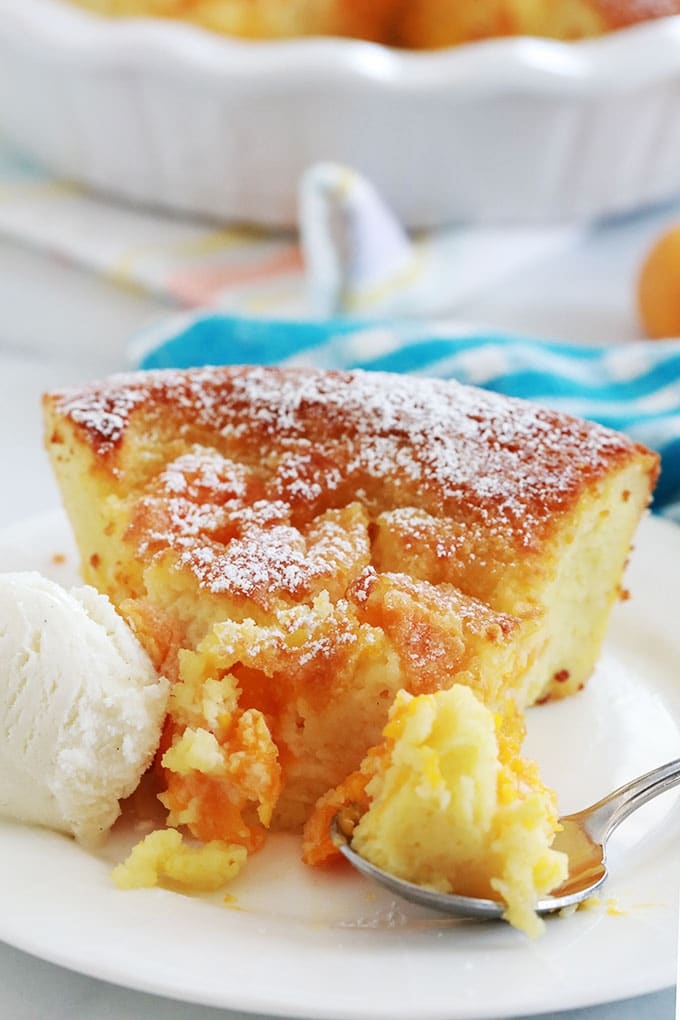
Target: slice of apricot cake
x,y
293,547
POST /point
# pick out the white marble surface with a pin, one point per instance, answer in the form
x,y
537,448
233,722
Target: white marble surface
x,y
58,325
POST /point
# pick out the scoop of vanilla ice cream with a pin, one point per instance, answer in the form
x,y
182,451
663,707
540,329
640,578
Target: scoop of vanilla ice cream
x,y
81,707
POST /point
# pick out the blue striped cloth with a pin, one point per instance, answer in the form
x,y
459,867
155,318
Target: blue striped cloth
x,y
632,387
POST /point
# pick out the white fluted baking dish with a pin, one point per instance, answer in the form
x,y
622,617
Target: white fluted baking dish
x,y
505,130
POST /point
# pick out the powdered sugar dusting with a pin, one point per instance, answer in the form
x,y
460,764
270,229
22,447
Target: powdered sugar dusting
x,y
265,453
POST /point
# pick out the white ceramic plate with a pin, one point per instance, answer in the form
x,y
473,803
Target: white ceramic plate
x,y
504,130
300,943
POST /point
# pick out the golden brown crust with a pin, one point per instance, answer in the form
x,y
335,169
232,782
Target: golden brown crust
x,y
305,442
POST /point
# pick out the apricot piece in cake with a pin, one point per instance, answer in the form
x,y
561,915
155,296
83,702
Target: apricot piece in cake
x,y
164,858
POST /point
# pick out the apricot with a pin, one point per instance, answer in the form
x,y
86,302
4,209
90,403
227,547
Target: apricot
x,y
658,287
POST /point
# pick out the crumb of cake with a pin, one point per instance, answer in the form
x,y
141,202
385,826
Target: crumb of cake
x,y
58,559
590,903
610,906
230,901
163,858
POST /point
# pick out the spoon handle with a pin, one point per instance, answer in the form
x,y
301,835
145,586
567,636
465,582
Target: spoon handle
x,y
600,819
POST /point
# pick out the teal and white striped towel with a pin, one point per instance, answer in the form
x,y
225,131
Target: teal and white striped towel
x,y
632,387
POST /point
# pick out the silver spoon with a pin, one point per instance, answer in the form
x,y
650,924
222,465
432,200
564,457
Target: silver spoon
x,y
583,838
